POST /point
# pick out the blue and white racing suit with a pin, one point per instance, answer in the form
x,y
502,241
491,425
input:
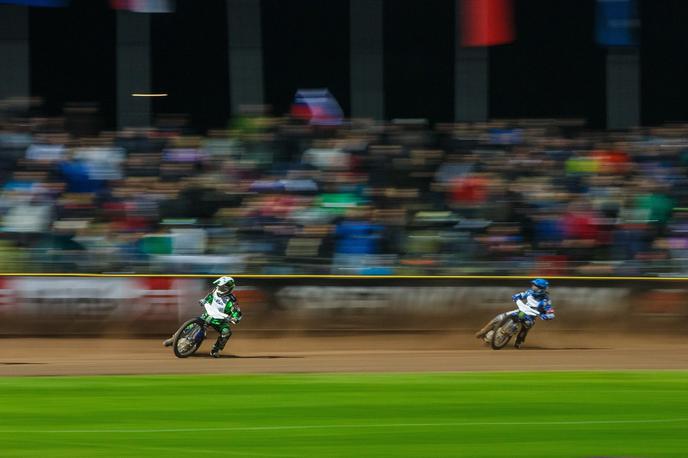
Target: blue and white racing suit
x,y
541,303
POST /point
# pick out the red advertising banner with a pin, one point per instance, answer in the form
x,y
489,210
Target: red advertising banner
x,y
486,22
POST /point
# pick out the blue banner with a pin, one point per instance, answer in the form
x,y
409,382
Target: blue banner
x,y
44,3
617,23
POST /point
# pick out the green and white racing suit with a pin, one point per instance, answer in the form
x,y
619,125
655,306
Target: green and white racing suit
x,y
221,310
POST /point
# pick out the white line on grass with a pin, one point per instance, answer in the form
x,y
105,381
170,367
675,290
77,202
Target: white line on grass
x,y
344,426
192,448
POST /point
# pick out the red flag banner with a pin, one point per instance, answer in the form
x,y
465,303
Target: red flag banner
x,y
144,6
486,22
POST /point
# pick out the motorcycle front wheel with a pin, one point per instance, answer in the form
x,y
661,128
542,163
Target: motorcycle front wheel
x,y
188,338
504,332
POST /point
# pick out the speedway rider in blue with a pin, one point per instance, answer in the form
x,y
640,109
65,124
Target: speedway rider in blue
x,y
538,297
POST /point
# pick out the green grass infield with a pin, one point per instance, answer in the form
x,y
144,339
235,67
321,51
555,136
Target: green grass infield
x,y
473,414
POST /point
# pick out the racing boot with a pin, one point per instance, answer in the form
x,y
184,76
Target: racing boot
x,y
221,341
168,342
487,328
521,337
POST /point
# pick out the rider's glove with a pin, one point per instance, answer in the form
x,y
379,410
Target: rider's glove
x,y
234,318
547,316
516,297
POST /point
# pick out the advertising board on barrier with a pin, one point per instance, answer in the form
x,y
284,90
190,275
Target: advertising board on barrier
x,y
154,305
444,299
71,297
88,305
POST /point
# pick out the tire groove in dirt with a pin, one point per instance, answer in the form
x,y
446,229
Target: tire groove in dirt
x,y
343,353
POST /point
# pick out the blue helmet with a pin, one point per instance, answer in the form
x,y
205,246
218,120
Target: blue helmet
x,y
541,285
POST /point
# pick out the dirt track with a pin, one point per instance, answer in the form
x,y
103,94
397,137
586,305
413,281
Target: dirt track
x,y
351,353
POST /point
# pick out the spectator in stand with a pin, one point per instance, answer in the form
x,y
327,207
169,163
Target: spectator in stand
x,y
276,195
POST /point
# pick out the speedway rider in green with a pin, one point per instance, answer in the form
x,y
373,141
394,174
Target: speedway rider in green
x,y
221,310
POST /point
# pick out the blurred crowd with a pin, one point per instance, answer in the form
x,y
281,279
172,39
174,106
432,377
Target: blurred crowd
x,y
282,196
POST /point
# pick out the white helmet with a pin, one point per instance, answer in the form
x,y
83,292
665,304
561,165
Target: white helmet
x,y
224,285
